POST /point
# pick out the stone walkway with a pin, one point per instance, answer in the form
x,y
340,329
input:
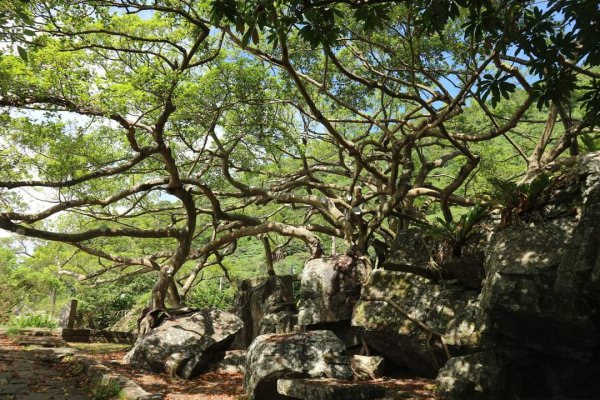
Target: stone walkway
x,y
31,373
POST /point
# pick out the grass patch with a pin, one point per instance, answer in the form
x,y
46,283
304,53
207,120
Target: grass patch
x,y
101,348
106,391
13,331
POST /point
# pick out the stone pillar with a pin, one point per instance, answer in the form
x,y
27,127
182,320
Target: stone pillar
x,y
67,315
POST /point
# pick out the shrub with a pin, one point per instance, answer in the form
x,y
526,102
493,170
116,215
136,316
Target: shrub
x,y
208,294
38,320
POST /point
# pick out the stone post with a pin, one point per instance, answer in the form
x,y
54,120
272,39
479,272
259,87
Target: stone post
x,y
67,316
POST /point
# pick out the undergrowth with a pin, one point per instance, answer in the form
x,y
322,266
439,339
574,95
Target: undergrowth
x,y
38,320
106,391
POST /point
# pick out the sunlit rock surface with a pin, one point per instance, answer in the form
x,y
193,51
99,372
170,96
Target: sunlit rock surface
x,y
447,308
315,354
266,305
329,289
329,389
472,377
542,295
185,345
366,368
520,291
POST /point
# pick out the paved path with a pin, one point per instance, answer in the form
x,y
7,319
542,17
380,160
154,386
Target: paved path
x,y
30,373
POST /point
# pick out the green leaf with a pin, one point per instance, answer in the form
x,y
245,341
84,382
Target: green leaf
x,y
22,53
247,36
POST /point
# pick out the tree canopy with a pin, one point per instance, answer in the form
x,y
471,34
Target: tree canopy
x,y
159,134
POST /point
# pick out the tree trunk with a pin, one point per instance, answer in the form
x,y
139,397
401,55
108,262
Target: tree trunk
x,y
159,292
268,255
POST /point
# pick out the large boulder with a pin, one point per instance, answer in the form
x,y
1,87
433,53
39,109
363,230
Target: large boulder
x,y
520,294
580,265
542,297
468,269
184,345
266,305
401,314
315,354
330,288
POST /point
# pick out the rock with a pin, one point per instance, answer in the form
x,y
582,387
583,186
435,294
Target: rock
x,y
315,354
410,252
542,291
366,368
417,252
476,376
95,336
348,334
266,305
68,314
580,265
520,291
446,307
328,389
468,269
183,346
230,362
329,289
278,322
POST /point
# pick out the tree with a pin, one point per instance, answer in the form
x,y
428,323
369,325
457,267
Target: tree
x,y
164,133
556,37
15,24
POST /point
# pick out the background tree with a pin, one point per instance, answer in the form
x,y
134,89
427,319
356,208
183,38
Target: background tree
x,y
164,134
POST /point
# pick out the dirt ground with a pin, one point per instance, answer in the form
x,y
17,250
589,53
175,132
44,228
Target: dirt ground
x,y
217,386
29,376
208,386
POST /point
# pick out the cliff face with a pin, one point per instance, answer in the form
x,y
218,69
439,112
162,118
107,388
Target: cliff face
x,y
536,319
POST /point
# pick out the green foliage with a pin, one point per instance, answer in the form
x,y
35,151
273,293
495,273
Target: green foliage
x,y
591,102
498,86
457,233
37,320
590,143
521,201
15,24
208,294
7,286
13,331
374,16
29,282
102,306
106,390
562,29
114,122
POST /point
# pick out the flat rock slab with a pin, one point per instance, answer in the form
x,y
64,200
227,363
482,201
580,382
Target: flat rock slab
x,y
42,341
392,389
95,336
328,389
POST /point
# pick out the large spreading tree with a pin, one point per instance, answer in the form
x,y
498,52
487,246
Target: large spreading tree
x,y
158,134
